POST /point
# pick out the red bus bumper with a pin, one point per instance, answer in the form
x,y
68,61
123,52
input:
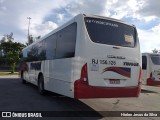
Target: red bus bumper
x,y
152,82
85,91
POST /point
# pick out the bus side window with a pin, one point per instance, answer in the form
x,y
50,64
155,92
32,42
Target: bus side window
x,y
144,62
66,42
41,51
50,46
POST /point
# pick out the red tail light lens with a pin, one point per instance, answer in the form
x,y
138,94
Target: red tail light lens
x,y
140,74
84,74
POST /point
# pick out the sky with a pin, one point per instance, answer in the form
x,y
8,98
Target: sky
x,y
46,15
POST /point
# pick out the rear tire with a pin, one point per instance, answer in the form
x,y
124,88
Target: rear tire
x,y
41,85
22,78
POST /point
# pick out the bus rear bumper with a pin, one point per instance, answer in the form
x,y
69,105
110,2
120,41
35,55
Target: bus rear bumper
x,y
152,82
85,91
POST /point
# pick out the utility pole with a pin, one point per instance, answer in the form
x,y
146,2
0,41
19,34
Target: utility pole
x,y
29,18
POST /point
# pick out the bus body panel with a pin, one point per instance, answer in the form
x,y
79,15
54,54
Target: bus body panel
x,y
123,57
102,63
98,82
65,76
151,71
58,76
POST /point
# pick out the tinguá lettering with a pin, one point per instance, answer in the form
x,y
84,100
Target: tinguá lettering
x,y
130,64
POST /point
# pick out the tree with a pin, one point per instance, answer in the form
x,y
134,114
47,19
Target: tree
x,y
7,37
30,40
38,37
3,39
10,37
155,51
11,51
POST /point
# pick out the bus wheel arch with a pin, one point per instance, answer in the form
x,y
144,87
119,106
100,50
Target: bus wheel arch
x,y
41,84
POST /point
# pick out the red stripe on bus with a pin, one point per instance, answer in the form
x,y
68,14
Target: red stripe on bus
x,y
152,82
85,91
118,70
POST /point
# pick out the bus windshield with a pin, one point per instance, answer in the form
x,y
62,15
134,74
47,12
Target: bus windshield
x,y
110,32
155,59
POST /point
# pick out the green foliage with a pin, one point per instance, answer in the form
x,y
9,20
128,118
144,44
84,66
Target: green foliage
x,y
8,73
7,37
30,40
11,51
10,37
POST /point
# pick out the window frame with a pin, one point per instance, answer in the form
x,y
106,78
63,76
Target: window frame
x,y
144,65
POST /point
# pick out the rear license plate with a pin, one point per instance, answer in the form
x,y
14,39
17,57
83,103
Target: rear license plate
x,y
115,81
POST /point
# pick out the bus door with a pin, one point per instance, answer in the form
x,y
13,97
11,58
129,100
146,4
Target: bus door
x,y
144,69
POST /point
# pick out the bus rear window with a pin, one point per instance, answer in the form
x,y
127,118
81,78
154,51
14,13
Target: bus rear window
x,y
110,32
155,59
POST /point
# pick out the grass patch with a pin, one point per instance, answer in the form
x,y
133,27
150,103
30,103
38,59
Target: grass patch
x,y
8,73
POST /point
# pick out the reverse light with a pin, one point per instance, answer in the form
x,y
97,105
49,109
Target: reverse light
x,y
84,79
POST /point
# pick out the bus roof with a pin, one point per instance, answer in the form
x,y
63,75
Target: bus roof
x,y
108,18
67,23
150,53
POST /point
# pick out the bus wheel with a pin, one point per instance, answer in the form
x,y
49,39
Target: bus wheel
x,y
22,78
41,85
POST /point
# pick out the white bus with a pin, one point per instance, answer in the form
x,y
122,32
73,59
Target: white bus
x,y
88,57
151,68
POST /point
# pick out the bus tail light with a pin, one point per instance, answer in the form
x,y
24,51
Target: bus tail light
x,y
140,74
84,74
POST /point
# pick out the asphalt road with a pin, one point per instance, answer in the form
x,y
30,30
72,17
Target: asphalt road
x,y
149,100
15,96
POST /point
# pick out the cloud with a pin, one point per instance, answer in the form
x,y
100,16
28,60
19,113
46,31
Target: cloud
x,y
125,8
150,8
46,16
148,40
156,29
1,5
86,6
43,29
112,8
60,17
13,15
